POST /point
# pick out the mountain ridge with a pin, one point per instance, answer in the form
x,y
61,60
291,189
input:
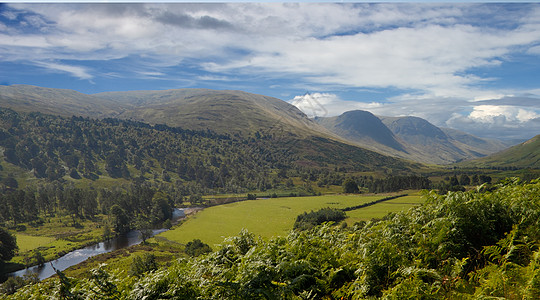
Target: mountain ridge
x,y
246,114
410,138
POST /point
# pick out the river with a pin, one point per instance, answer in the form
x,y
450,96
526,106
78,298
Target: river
x,y
78,256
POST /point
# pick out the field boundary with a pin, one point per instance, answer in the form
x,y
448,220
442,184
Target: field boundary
x,y
373,202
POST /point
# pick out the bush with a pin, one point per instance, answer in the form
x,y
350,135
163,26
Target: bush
x,y
196,248
144,264
309,220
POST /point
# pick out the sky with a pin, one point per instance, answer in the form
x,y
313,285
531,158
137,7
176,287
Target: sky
x,y
474,67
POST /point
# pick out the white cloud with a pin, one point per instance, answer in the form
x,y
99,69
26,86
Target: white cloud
x,y
426,47
328,105
152,73
76,71
214,78
492,114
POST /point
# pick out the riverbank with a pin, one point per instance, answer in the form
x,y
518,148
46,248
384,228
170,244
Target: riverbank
x,y
53,239
80,255
75,247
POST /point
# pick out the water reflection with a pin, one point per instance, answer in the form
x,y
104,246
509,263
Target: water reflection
x,y
77,256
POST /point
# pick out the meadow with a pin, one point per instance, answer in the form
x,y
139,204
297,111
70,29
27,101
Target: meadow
x,y
275,216
53,239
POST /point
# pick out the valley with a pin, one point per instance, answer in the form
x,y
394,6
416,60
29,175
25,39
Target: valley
x,y
80,169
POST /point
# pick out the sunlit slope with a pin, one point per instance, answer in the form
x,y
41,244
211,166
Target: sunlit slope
x,y
28,98
221,111
524,155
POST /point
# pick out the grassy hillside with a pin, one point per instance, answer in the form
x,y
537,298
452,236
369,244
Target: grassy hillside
x,y
524,155
27,98
221,111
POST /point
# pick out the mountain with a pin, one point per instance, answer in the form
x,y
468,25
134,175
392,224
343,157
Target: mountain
x,y
363,128
410,138
250,115
249,118
220,111
27,98
480,145
439,145
232,112
524,155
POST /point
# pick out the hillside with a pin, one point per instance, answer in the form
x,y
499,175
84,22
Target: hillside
x,y
76,148
524,155
439,145
231,112
221,111
27,98
250,115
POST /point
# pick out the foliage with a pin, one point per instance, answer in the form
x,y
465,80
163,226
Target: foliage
x,y
8,245
196,248
463,245
12,284
54,148
350,186
144,264
124,206
314,218
394,183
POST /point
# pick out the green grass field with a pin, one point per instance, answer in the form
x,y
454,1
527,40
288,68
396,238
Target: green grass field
x,y
382,209
54,238
30,242
274,217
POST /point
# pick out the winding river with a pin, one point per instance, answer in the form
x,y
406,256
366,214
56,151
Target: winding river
x,y
77,256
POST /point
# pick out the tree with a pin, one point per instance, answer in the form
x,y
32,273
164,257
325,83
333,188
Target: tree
x,y
464,179
309,220
40,260
120,219
10,182
8,245
475,179
350,186
454,181
145,230
107,234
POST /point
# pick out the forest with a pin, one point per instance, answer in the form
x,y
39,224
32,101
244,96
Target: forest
x,y
482,243
54,148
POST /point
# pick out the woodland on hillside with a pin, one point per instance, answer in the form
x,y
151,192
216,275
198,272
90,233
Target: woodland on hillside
x,y
52,147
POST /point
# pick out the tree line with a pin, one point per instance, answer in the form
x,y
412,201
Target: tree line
x,y
126,208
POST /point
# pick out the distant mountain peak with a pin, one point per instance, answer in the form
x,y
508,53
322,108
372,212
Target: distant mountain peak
x,y
362,127
408,137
